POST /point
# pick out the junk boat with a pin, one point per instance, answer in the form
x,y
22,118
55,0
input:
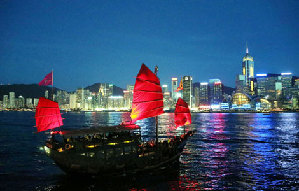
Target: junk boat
x,y
115,149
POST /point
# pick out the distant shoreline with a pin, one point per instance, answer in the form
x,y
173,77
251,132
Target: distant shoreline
x,y
64,111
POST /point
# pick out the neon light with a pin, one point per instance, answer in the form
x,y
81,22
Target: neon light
x,y
174,79
215,106
261,74
127,141
287,73
164,86
217,83
204,83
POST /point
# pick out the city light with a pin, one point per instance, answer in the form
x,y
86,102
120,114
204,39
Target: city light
x,y
174,79
204,83
261,75
287,73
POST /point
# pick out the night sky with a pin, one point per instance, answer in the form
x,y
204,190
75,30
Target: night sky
x,y
86,42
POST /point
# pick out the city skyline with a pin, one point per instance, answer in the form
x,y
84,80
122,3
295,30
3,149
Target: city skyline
x,y
95,42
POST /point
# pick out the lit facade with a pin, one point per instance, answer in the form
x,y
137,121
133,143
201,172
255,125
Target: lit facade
x,y
248,72
5,101
203,94
12,102
269,86
174,86
187,89
215,91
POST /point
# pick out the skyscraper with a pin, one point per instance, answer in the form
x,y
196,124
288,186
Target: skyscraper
x,y
187,89
215,87
203,94
248,72
12,102
269,86
174,86
5,101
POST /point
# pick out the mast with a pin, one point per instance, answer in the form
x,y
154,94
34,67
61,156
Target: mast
x,y
52,86
156,118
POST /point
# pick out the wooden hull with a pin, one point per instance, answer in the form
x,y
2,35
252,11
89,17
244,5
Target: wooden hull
x,y
101,161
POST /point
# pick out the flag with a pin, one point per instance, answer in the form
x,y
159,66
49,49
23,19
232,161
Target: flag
x,y
48,80
180,86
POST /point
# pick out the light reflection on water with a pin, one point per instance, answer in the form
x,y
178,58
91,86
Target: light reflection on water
x,y
228,151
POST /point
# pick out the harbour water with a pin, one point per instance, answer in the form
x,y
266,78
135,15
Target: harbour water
x,y
229,151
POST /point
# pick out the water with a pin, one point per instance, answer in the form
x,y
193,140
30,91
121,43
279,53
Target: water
x,y
245,151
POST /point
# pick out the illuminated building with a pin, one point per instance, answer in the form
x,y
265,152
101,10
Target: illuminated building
x,y
12,102
174,86
240,83
80,98
215,91
203,94
287,83
29,103
187,89
269,86
73,98
115,102
166,100
35,102
20,102
241,101
164,88
47,94
248,72
5,101
196,97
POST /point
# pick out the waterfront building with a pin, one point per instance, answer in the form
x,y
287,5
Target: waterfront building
x,y
47,94
166,101
287,81
240,83
20,102
215,91
80,98
5,102
174,86
203,94
196,96
12,101
248,72
241,101
35,102
269,86
115,102
29,103
187,89
73,99
164,88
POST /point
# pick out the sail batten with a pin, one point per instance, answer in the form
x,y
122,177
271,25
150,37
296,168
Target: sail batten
x,y
148,97
47,115
182,115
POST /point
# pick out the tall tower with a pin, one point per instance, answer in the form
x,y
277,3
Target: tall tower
x,y
248,72
187,90
174,86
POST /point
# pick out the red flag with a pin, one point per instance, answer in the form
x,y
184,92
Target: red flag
x,y
180,86
48,80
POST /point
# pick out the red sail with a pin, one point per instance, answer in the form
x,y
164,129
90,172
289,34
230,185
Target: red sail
x,y
147,97
47,115
182,115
